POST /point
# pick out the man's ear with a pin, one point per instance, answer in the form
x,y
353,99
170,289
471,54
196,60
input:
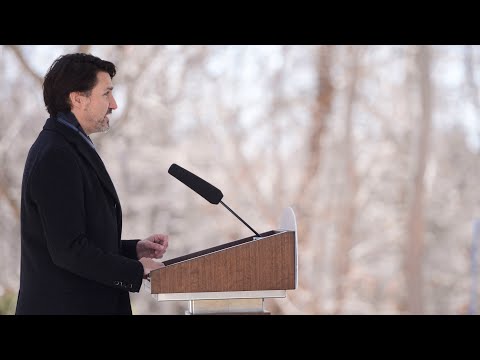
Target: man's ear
x,y
77,99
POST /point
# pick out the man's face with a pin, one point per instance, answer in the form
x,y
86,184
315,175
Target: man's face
x,y
100,103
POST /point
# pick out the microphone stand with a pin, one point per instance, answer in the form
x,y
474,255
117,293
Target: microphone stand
x,y
239,218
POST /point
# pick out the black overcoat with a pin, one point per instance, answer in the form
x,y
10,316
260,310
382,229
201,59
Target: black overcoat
x,y
73,260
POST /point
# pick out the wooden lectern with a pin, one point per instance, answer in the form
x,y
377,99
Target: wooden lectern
x,y
235,277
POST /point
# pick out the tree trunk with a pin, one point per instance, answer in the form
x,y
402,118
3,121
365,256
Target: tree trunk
x,y
416,213
347,208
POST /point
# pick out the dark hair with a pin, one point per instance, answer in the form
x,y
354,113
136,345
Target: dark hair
x,y
70,73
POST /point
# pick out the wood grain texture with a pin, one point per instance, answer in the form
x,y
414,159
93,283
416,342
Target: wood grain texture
x,y
248,265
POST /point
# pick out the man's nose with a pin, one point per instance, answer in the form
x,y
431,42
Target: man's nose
x,y
113,104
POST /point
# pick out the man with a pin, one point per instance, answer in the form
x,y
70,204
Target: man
x,y
73,260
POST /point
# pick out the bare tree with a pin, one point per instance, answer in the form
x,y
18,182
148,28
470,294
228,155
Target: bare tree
x,y
319,121
24,63
306,189
470,79
415,232
347,209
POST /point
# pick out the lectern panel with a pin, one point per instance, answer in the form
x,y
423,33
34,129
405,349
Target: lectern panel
x,y
266,263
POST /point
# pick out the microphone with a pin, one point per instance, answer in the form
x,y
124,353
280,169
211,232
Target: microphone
x,y
206,190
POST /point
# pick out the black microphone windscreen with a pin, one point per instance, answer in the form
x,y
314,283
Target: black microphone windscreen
x,y
200,186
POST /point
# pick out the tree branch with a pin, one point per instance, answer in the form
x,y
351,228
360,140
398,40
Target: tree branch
x,y
18,54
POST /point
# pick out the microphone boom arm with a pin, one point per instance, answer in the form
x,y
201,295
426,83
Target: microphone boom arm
x,y
239,218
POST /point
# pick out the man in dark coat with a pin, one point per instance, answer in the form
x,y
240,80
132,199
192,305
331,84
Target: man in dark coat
x,y
73,260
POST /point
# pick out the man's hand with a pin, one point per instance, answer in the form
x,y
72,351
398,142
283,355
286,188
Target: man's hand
x,y
150,265
153,246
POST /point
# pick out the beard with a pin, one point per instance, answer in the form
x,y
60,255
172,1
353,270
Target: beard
x,y
103,125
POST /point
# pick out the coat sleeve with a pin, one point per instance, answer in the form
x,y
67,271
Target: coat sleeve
x,y
58,196
129,248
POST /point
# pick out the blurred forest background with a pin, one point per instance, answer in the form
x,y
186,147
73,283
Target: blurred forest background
x,y
375,148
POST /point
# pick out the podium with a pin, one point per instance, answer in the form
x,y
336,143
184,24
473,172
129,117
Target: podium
x,y
235,277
